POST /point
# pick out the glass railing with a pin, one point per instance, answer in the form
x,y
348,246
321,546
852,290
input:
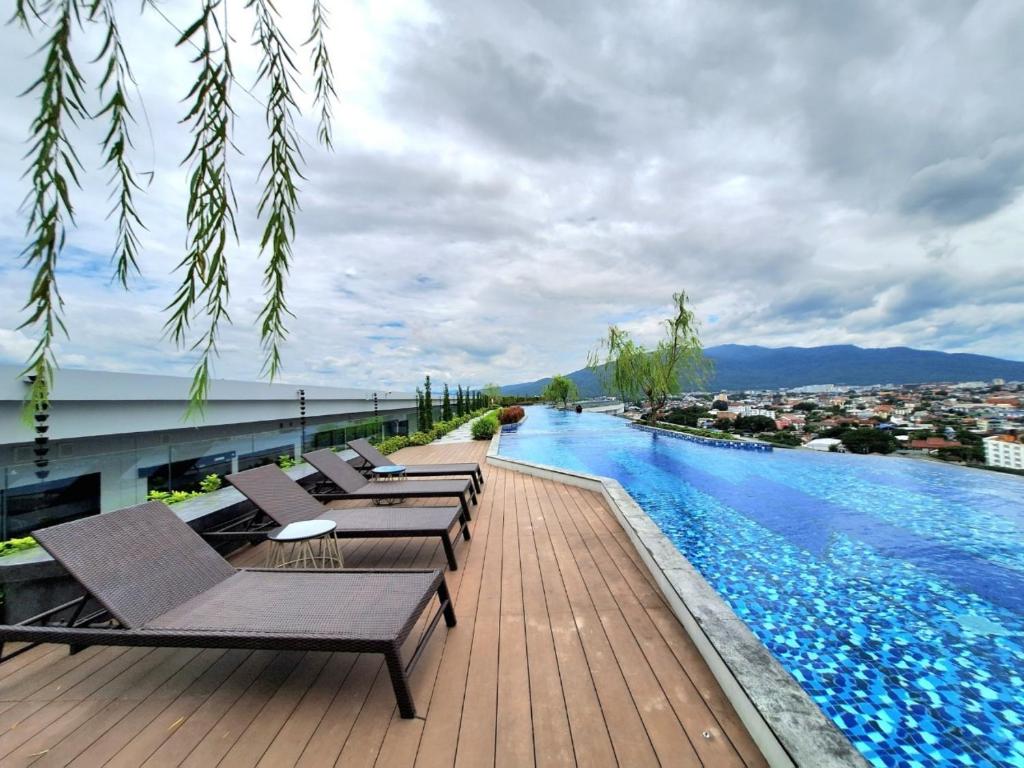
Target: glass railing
x,y
72,486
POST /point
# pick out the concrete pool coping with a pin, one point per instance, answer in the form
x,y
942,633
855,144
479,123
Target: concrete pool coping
x,y
785,723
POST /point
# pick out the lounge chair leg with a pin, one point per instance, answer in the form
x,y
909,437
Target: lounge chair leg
x,y
446,600
465,507
476,484
400,682
472,492
449,552
73,649
464,527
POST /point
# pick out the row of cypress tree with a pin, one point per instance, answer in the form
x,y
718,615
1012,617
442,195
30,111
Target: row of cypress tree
x,y
466,401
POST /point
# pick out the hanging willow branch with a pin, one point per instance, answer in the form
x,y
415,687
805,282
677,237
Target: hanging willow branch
x,y
210,214
52,170
279,201
323,93
116,78
210,211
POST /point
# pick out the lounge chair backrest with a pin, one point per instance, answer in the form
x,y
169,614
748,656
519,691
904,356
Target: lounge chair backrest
x,y
138,562
270,489
367,451
336,469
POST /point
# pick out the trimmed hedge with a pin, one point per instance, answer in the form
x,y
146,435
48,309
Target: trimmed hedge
x,y
440,429
712,433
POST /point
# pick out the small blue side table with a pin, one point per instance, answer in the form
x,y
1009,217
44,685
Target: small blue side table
x,y
389,473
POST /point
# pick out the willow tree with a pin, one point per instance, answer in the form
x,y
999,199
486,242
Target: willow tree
x,y
635,372
561,389
491,393
66,98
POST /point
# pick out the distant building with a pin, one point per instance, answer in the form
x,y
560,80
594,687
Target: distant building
x,y
753,411
1005,400
824,444
933,443
794,420
1004,451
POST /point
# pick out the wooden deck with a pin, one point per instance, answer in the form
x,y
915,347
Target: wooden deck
x,y
564,654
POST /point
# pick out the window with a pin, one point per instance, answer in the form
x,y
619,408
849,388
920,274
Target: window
x,y
186,474
328,438
265,456
43,504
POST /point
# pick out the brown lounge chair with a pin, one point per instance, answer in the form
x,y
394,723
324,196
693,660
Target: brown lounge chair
x,y
167,588
347,483
285,501
373,458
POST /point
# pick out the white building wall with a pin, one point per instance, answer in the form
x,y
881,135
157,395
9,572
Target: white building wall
x,y
999,453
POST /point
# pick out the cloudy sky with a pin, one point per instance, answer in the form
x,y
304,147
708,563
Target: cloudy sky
x,y
512,176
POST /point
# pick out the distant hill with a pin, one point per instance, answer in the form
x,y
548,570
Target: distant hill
x,y
740,367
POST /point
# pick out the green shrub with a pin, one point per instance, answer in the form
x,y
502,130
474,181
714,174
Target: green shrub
x,y
172,497
11,546
867,440
420,438
788,439
210,483
392,444
485,427
284,461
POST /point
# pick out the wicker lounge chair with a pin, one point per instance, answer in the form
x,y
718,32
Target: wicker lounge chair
x,y
166,587
345,482
373,458
285,501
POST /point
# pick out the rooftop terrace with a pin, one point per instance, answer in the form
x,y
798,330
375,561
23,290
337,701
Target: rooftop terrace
x,y
565,654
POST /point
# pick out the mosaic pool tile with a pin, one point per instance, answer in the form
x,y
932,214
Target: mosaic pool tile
x,y
891,589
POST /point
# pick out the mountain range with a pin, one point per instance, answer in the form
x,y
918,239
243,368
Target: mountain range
x,y
739,367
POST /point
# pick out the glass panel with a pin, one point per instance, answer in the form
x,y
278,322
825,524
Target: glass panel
x,y
41,503
264,456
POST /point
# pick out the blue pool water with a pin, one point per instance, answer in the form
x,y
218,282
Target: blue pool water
x,y
891,589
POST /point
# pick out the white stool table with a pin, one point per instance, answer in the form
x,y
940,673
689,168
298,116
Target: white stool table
x,y
306,544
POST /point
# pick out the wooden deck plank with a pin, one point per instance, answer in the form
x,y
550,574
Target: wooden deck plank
x,y
440,737
514,745
479,708
552,739
638,599
291,740
327,741
589,730
135,685
144,710
565,654
252,743
220,739
626,727
143,743
187,735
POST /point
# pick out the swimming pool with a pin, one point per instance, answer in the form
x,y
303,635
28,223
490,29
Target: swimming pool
x,y
891,589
